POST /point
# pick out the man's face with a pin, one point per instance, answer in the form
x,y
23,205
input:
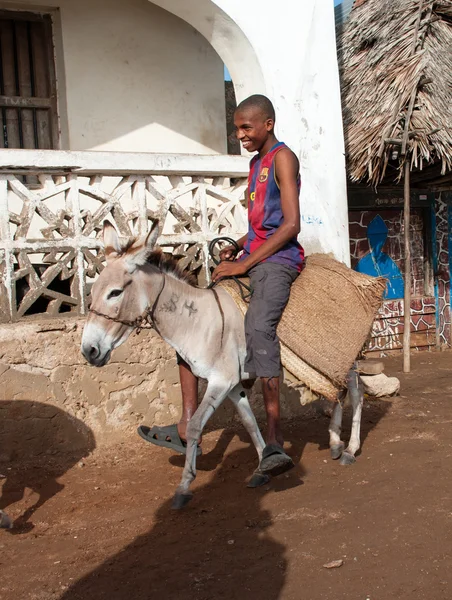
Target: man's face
x,y
252,128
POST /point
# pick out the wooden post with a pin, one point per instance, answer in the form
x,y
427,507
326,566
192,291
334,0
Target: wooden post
x,y
407,283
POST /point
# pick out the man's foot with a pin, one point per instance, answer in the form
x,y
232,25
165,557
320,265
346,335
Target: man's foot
x,y
166,437
182,431
275,461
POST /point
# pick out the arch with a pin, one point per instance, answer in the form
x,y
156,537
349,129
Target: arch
x,y
228,40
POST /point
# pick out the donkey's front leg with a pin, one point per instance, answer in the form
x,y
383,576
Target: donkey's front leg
x,y
356,395
239,397
216,392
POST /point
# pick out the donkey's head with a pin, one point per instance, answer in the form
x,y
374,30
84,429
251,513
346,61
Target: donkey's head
x,y
118,295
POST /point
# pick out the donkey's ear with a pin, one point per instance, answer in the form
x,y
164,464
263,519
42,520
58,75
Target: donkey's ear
x,y
137,254
151,238
111,241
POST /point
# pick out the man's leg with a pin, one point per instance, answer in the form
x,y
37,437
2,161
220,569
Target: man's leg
x,y
270,391
175,436
189,389
271,289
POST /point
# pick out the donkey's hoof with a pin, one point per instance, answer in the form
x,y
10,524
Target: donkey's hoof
x,y
5,521
258,479
337,451
347,459
180,500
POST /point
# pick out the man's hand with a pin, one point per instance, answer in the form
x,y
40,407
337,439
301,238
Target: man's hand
x,y
228,252
229,269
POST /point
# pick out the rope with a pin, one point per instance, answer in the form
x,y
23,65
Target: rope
x,y
144,321
245,290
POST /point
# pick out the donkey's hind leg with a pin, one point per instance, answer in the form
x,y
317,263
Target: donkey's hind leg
x,y
216,392
336,445
239,397
5,521
356,395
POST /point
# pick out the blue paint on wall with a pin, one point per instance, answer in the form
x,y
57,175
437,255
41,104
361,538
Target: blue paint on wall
x,y
449,236
434,261
379,264
311,220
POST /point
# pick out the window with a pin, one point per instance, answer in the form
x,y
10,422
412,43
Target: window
x,y
28,101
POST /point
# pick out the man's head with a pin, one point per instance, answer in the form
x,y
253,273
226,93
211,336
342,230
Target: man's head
x,y
254,120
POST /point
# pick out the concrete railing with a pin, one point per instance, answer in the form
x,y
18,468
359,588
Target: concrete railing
x,y
53,204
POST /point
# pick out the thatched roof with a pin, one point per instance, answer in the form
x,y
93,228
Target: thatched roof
x,y
392,52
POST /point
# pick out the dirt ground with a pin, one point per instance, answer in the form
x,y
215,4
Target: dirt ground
x,y
105,530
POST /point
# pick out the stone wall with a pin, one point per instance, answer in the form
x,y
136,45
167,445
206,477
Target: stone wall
x,y
52,401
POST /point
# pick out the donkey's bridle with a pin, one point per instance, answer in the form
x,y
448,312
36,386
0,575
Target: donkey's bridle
x,y
144,321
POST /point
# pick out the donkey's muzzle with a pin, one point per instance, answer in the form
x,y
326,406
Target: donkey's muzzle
x,y
94,355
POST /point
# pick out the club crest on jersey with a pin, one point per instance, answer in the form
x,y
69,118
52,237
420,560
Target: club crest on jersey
x,y
263,176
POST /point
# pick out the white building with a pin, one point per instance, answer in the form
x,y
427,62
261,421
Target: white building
x,y
147,77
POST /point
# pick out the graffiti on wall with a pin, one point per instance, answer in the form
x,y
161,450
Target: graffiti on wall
x,y
442,269
387,329
378,263
376,239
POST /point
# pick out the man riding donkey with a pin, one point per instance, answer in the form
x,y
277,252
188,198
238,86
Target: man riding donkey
x,y
272,258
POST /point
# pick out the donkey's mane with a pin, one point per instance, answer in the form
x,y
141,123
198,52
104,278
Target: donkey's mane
x,y
170,266
163,262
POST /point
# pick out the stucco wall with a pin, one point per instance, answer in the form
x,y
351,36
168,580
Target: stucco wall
x,y
133,77
52,401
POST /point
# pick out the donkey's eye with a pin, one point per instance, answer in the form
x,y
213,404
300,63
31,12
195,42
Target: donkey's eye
x,y
114,294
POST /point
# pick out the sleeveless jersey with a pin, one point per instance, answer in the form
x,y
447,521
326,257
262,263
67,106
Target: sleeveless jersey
x,y
265,213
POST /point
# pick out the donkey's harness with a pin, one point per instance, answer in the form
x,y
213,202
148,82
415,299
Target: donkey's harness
x,y
144,321
245,290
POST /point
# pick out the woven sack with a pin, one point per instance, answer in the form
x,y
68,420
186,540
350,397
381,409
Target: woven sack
x,y
326,322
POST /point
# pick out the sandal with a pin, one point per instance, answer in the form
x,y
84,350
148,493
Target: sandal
x,y
167,437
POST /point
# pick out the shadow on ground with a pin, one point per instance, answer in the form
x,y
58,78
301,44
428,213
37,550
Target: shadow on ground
x,y
221,545
38,444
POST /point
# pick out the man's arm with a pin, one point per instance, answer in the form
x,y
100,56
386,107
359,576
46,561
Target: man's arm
x,y
286,171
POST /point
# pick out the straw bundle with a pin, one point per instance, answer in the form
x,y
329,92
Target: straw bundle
x,y
388,51
326,322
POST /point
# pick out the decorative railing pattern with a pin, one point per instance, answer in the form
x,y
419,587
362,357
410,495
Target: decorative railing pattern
x,y
50,249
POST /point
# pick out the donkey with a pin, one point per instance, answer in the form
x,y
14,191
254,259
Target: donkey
x,y
138,286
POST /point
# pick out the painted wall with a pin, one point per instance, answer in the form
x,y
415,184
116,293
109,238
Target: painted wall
x,y
133,77
289,54
443,264
430,302
393,249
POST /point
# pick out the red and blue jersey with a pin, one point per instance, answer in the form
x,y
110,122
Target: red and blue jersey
x,y
265,212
